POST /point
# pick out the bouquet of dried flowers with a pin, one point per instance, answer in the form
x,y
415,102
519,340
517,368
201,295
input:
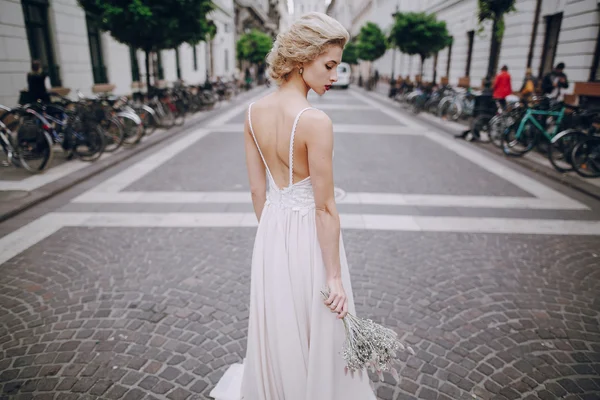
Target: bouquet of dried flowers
x,y
370,345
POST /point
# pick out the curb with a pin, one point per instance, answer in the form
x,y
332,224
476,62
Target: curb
x,y
36,196
454,128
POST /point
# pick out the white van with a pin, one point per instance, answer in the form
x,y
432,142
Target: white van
x,y
343,71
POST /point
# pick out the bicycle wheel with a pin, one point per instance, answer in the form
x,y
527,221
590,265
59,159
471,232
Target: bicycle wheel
x,y
35,155
518,146
586,157
454,111
496,130
113,133
481,128
167,119
89,146
178,111
134,130
148,120
442,108
417,105
561,149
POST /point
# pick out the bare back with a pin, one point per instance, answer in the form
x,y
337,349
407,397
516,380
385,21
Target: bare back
x,y
272,121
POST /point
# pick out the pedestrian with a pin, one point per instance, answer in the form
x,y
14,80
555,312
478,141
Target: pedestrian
x,y
554,82
502,86
248,78
37,83
529,85
294,336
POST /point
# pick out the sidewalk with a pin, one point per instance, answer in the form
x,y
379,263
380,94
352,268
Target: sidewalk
x,y
532,160
20,190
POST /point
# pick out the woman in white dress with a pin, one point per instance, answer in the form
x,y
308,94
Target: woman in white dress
x,y
295,337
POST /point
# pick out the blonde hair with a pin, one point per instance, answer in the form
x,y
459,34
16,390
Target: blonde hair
x,y
305,40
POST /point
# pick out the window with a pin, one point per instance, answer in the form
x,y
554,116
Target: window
x,y
38,35
95,43
595,71
135,67
226,61
159,66
553,23
177,63
226,28
195,55
470,38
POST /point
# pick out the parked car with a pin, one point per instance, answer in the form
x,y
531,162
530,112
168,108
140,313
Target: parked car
x,y
343,71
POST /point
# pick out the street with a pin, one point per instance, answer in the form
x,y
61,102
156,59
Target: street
x,y
135,283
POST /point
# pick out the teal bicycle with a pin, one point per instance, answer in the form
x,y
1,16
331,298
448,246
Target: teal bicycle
x,y
536,128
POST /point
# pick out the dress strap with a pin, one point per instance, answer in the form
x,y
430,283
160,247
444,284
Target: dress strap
x,y
291,160
256,141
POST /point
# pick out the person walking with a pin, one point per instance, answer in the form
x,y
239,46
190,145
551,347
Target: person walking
x,y
36,83
502,86
294,336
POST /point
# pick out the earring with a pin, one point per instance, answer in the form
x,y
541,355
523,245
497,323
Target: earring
x,y
301,70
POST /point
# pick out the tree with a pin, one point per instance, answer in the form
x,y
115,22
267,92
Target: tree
x,y
495,10
371,43
253,47
419,34
152,25
350,54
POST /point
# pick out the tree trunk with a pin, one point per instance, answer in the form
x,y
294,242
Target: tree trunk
x,y
435,62
212,58
422,65
494,50
147,71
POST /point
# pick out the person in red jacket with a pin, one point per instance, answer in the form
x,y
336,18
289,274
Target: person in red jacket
x,y
502,86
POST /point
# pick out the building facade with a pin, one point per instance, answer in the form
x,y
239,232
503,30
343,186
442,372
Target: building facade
x,y
78,56
305,6
538,35
263,15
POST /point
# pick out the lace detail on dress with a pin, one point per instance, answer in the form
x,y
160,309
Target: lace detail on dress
x,y
298,197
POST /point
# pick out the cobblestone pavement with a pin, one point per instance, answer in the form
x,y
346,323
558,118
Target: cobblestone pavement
x,y
135,285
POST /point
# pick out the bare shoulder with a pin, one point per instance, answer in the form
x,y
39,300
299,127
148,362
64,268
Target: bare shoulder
x,y
264,102
315,123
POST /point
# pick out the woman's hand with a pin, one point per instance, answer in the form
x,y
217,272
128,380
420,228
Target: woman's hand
x,y
337,300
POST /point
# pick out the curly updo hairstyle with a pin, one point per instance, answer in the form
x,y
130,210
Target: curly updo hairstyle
x,y
305,40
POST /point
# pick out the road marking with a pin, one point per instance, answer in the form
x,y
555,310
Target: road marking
x,y
547,197
366,198
21,239
341,128
36,181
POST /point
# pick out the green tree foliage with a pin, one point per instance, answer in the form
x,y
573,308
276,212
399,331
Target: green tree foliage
x,y
350,54
495,10
253,46
371,43
152,25
419,34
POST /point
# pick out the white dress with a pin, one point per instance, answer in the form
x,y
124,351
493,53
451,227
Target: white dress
x,y
294,340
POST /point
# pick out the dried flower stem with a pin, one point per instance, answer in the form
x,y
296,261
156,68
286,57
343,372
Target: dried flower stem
x,y
369,345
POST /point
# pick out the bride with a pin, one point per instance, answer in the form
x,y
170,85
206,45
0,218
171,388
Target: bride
x,y
295,336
